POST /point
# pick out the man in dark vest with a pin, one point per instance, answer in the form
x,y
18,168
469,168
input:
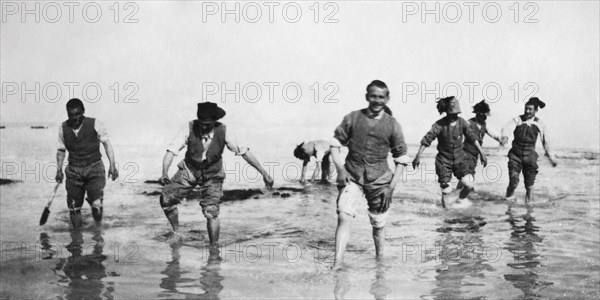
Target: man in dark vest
x,y
522,156
205,139
81,136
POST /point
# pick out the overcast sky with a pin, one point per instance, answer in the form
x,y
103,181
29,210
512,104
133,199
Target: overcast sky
x,y
180,53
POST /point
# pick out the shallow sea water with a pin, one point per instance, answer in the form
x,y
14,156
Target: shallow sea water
x,y
279,243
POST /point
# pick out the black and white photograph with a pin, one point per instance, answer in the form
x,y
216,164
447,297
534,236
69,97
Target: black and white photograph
x,y
155,149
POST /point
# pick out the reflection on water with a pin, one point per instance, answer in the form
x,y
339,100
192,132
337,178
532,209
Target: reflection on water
x,y
524,245
210,277
84,272
342,284
380,287
173,271
463,257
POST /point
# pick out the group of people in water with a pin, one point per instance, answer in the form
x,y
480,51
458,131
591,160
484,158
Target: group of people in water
x,y
370,134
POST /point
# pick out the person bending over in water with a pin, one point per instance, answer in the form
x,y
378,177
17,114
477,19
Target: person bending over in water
x,y
320,150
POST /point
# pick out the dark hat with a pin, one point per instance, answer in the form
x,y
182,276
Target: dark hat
x,y
535,101
209,110
448,105
482,108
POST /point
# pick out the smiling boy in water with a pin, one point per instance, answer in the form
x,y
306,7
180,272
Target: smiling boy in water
x,y
370,134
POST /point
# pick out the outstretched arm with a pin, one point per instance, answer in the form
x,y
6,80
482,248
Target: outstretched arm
x,y
493,134
507,129
167,160
546,145
249,157
113,173
417,161
426,141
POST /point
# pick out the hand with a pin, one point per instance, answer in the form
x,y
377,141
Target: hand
x,y
302,180
552,162
268,181
342,178
59,176
386,199
164,180
503,141
416,162
484,161
113,173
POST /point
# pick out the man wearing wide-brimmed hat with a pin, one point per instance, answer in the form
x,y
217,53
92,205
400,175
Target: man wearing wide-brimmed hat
x,y
450,159
205,139
479,126
522,156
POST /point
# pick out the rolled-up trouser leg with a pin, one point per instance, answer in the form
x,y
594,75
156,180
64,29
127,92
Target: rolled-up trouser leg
x,y
172,194
97,209
211,193
95,176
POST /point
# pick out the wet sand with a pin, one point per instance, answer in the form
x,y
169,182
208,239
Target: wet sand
x,y
279,243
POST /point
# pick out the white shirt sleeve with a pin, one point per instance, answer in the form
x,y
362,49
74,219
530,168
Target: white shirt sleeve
x,y
61,139
404,160
101,130
180,140
233,145
508,128
492,133
335,143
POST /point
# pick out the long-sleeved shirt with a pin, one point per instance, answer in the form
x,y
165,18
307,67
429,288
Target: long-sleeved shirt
x,y
450,137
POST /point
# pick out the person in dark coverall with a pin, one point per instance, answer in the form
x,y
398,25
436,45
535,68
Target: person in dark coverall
x,y
370,135
81,137
522,156
205,139
479,126
451,158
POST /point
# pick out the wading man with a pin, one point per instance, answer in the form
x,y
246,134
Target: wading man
x,y
202,166
81,137
522,156
370,135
